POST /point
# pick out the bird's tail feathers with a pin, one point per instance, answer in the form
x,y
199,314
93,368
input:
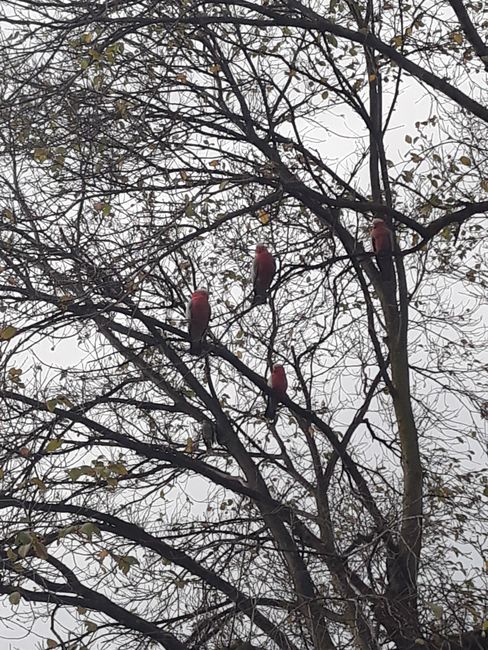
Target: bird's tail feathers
x,y
259,299
270,413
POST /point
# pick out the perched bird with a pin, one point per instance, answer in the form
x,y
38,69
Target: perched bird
x,y
209,434
264,268
382,240
198,314
278,384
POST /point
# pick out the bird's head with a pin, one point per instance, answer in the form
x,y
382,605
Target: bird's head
x,y
200,293
378,222
261,248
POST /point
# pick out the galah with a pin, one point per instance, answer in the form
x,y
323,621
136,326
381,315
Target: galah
x,y
278,384
198,314
264,268
209,434
382,240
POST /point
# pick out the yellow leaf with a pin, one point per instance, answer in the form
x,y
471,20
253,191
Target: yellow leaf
x,y
189,446
41,154
484,184
397,41
51,643
214,163
215,69
457,37
263,217
6,333
465,161
181,77
372,77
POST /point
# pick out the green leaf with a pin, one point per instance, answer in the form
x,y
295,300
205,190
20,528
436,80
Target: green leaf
x,y
39,484
67,530
331,39
23,538
436,610
89,529
75,473
51,404
15,597
125,562
6,333
54,444
118,468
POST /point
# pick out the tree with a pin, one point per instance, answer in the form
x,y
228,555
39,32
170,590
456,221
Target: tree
x,y
146,148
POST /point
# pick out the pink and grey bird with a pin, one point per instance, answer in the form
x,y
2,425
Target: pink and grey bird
x,y
264,268
382,240
278,384
198,314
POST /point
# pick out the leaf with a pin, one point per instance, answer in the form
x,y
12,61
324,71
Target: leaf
x,y
89,529
372,77
263,217
75,473
23,537
11,554
41,154
125,562
54,444
6,333
464,160
215,69
484,184
331,39
15,597
2,474
23,550
24,452
66,531
436,610
91,627
118,468
40,550
39,484
51,404
408,138
189,446
51,643
457,37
